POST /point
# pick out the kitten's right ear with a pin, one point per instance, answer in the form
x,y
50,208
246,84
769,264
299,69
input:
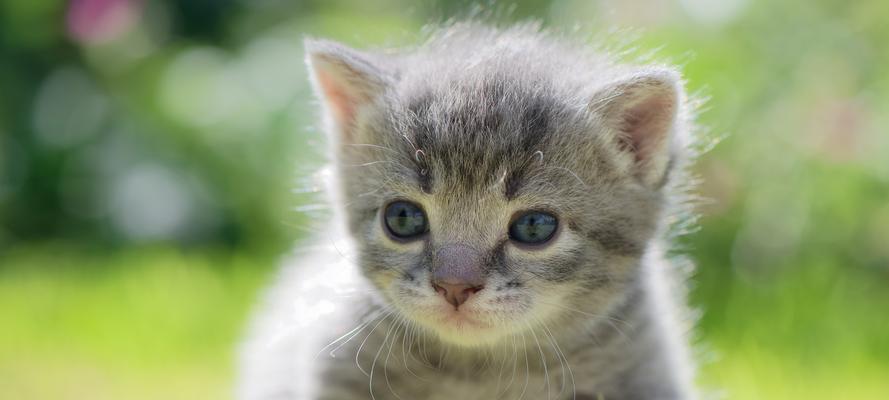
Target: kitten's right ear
x,y
345,80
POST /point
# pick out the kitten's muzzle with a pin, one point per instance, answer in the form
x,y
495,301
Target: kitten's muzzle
x,y
457,273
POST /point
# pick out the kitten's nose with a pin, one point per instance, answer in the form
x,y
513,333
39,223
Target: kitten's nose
x,y
456,294
457,273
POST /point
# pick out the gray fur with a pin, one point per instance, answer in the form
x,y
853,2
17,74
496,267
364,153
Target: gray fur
x,y
476,125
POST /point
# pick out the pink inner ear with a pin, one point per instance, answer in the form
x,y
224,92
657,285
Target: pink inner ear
x,y
647,124
341,104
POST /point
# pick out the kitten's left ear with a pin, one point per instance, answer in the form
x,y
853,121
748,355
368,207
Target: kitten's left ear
x,y
345,80
643,108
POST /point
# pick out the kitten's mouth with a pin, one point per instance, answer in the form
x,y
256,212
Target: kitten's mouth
x,y
461,320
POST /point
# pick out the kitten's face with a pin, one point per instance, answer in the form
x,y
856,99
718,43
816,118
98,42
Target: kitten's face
x,y
435,183
486,203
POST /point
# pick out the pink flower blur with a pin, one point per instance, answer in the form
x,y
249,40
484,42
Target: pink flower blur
x,y
100,21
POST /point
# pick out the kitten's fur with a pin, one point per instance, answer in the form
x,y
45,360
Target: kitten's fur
x,y
476,125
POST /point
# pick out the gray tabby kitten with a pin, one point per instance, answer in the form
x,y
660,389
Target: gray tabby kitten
x,y
504,196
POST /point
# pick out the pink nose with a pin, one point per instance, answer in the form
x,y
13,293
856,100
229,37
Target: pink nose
x,y
455,294
457,273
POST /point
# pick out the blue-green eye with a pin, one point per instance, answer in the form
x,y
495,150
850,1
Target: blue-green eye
x,y
534,227
405,220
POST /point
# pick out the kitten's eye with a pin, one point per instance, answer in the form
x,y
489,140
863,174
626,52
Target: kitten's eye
x,y
534,227
405,220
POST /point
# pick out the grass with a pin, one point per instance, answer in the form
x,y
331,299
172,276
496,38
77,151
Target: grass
x,y
135,324
158,323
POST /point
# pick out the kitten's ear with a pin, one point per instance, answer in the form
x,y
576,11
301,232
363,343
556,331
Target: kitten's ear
x,y
345,80
643,108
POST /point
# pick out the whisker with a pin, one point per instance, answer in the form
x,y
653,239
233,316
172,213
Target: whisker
x,y
542,360
572,174
370,381
567,365
591,315
369,163
409,141
409,331
621,332
609,320
500,376
370,145
330,238
354,332
425,349
515,359
527,367
358,353
399,324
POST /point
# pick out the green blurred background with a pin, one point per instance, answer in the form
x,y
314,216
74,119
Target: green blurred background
x,y
156,162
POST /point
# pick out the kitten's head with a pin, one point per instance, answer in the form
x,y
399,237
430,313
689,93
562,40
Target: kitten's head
x,y
495,181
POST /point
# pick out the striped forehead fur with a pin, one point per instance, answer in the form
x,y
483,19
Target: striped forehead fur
x,y
477,105
485,105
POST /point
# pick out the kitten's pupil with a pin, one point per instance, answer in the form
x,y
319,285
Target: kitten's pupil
x,y
532,227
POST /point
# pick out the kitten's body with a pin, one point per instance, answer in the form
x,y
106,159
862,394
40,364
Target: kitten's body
x,y
477,125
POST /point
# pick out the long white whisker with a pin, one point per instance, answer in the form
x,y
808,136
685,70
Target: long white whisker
x,y
399,324
595,316
363,342
370,145
527,367
425,349
354,332
369,163
572,174
609,320
408,331
500,376
542,359
567,365
332,241
370,381
515,356
558,357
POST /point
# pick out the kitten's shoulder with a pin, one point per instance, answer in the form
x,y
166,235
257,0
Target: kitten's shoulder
x,y
314,297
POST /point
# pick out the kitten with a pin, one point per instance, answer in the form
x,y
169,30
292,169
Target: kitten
x,y
505,196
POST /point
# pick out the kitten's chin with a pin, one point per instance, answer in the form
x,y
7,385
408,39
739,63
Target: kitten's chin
x,y
470,337
463,328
